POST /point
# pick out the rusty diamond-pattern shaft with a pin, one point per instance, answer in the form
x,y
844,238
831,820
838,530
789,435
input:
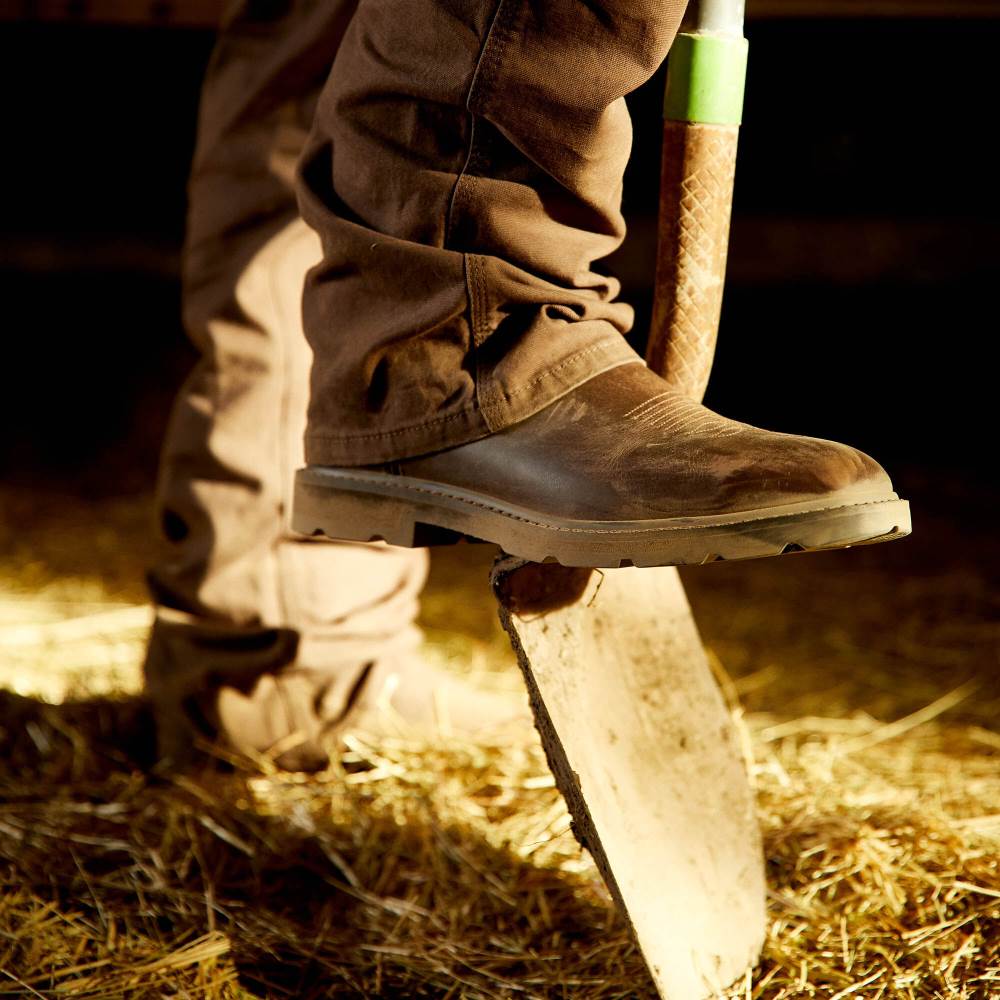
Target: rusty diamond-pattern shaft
x,y
696,196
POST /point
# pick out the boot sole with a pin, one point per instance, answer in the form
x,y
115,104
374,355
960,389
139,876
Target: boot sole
x,y
355,505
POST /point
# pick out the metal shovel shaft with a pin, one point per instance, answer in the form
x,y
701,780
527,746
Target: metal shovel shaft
x,y
703,107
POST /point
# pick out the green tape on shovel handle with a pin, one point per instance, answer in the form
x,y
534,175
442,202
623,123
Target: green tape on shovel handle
x,y
706,77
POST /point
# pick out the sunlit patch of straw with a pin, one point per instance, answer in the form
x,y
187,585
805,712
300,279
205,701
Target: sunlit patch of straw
x,y
450,870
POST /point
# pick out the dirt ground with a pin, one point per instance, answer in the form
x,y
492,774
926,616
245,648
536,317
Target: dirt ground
x,y
868,683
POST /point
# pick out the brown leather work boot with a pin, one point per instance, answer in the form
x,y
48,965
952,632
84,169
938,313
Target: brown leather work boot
x,y
621,470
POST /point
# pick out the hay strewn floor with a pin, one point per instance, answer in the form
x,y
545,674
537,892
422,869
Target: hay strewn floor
x,y
870,683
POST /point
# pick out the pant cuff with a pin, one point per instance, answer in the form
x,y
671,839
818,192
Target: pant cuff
x,y
501,409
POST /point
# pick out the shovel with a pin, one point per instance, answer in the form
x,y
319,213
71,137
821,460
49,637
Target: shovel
x,y
637,734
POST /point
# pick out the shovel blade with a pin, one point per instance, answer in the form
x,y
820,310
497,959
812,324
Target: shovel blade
x,y
645,752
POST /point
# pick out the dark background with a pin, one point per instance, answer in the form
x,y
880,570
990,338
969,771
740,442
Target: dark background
x,y
860,302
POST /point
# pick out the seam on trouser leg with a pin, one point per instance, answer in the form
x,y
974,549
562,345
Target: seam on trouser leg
x,y
486,393
496,43
475,290
479,322
476,285
484,64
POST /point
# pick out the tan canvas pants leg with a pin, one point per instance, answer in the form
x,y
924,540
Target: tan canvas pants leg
x,y
238,598
465,174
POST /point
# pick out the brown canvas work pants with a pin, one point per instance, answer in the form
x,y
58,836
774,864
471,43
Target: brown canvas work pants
x,y
462,164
